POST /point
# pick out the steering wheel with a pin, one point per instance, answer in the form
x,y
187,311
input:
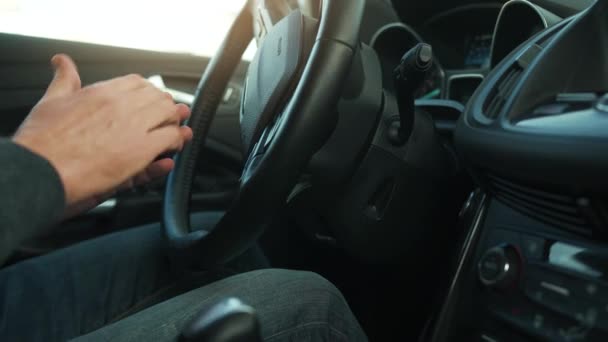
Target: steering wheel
x,y
287,113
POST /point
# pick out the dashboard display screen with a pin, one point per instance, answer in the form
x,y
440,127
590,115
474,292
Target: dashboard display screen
x,y
477,51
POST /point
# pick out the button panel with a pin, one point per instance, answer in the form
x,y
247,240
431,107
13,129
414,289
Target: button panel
x,y
548,301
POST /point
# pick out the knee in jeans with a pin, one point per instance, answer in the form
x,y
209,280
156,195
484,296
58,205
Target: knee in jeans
x,y
303,283
298,304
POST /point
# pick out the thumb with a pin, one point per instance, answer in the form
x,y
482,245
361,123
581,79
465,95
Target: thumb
x,y
66,80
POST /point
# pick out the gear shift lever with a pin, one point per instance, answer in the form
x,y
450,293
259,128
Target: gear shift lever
x,y
227,321
409,76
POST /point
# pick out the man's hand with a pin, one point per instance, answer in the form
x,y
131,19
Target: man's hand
x,y
104,136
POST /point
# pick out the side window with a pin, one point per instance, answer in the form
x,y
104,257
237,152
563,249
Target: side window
x,y
185,26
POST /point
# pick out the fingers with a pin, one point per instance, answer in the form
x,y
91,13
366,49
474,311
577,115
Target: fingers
x,y
135,95
86,204
156,170
165,112
151,107
170,138
80,207
186,133
66,80
183,111
149,100
181,114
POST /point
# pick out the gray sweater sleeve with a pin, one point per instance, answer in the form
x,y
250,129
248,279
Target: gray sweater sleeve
x,y
32,196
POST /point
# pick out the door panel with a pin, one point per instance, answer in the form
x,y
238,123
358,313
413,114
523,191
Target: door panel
x,y
25,72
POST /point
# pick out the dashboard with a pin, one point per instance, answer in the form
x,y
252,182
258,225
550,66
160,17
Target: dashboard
x,y
468,41
533,136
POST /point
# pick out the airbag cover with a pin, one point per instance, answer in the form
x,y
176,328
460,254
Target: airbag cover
x,y
270,75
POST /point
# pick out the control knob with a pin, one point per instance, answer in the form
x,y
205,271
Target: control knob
x,y
500,266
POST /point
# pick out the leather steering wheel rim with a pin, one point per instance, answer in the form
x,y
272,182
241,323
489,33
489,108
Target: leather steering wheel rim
x,y
306,120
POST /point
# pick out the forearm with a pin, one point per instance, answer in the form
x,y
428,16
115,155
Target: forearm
x,y
32,196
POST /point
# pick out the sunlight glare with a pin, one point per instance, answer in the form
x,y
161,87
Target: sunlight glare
x,y
184,26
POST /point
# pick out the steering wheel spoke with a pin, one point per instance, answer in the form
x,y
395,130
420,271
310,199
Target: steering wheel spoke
x,y
261,146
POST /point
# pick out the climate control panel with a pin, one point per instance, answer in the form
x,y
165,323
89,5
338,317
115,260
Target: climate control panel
x,y
544,288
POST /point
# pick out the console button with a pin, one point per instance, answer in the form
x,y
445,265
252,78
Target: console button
x,y
550,290
582,301
499,267
491,267
542,324
589,290
551,296
533,247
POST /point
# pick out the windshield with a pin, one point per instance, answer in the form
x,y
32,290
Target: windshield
x,y
184,26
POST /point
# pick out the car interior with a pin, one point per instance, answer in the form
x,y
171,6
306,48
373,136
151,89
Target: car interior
x,y
441,162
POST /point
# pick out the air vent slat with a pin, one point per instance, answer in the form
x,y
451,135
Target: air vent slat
x,y
494,107
508,81
502,91
556,209
538,193
507,87
585,230
572,218
571,210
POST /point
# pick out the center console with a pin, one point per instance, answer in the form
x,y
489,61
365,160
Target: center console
x,y
534,263
537,281
524,280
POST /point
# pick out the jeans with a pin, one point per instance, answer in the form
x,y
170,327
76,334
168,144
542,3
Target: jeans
x,y
291,306
122,287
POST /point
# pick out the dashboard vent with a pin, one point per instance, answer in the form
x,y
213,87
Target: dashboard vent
x,y
559,210
502,91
